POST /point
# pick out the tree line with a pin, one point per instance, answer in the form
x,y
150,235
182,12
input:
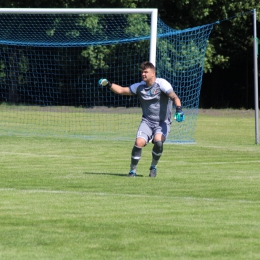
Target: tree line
x,y
228,72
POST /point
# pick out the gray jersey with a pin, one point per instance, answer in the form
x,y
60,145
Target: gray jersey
x,y
155,103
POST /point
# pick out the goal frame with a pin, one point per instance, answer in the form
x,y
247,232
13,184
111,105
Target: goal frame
x,y
161,45
152,11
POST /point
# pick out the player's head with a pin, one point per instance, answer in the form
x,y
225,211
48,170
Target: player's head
x,y
148,72
147,65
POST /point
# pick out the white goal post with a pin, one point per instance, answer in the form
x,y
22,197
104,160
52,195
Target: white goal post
x,y
256,78
152,11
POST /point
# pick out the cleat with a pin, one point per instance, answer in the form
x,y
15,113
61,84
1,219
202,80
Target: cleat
x,y
132,173
153,171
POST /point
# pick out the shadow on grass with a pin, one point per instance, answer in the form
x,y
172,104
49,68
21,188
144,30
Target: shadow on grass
x,y
113,174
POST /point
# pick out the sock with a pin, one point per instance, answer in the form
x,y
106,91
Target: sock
x,y
136,155
156,153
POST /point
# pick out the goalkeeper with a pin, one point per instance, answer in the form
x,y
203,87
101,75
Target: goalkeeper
x,y
156,96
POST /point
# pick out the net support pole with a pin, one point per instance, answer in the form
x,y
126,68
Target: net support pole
x,y
256,79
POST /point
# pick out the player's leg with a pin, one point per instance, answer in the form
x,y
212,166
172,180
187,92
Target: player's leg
x,y
136,155
160,135
144,134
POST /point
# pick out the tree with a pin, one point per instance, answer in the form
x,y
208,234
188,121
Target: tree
x,y
229,52
229,37
229,57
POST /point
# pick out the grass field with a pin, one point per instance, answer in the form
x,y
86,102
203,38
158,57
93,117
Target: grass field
x,y
70,198
99,123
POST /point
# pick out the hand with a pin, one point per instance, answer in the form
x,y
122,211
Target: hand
x,y
179,115
104,83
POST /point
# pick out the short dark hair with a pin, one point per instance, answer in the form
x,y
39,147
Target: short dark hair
x,y
147,65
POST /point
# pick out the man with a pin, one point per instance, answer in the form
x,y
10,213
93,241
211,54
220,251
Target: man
x,y
156,96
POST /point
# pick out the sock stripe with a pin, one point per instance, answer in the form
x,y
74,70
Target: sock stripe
x,y
157,154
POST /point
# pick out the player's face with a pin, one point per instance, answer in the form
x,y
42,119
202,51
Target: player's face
x,y
148,75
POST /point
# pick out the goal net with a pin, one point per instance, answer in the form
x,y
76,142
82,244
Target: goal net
x,y
50,64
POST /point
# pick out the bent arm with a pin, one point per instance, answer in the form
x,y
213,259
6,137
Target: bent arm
x,y
172,95
120,90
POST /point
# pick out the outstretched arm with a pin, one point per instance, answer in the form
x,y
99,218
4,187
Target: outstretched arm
x,y
120,90
114,87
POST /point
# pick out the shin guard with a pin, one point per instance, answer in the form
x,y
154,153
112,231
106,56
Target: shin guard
x,y
157,150
136,155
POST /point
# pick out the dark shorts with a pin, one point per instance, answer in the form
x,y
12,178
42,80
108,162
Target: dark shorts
x,y
147,130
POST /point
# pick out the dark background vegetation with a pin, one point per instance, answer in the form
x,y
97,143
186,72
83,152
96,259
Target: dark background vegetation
x,y
228,80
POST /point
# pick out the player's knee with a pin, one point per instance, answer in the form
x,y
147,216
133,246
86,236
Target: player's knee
x,y
159,137
140,142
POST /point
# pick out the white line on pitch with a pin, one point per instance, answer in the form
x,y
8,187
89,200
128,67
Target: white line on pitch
x,y
42,155
126,195
177,162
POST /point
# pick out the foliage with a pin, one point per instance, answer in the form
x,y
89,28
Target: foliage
x,y
227,38
2,70
137,25
213,58
229,46
97,56
230,36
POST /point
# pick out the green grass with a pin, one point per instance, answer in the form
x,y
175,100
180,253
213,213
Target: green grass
x,y
70,198
99,123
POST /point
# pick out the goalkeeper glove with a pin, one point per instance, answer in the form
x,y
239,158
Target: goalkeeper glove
x,y
104,83
179,115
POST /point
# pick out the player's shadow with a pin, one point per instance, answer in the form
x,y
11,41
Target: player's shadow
x,y
108,173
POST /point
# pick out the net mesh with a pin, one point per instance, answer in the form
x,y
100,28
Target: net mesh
x,y
50,66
